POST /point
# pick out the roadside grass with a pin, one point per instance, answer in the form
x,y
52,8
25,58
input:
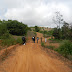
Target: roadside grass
x,y
19,40
46,33
11,41
65,49
47,46
42,44
55,40
50,47
8,42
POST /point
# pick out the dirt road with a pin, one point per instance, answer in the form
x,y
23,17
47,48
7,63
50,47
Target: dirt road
x,y
31,58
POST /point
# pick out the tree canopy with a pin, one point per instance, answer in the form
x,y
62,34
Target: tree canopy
x,y
14,27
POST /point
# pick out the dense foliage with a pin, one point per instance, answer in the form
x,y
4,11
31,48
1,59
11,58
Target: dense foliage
x,y
65,48
3,29
10,28
65,32
47,33
17,28
13,27
37,29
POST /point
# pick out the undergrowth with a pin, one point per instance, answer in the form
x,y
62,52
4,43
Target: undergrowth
x,y
11,41
47,46
65,48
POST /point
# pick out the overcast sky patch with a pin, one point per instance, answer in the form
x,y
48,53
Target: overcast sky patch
x,y
35,12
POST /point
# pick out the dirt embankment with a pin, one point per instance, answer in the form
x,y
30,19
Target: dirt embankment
x,y
4,53
31,58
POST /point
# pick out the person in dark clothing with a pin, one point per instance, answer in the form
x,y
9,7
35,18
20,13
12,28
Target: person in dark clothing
x,y
37,39
33,38
24,40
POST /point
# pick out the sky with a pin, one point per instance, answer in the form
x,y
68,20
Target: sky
x,y
35,12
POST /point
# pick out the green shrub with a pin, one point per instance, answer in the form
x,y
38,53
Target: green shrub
x,y
50,47
46,46
8,42
37,29
46,33
65,48
42,44
3,29
55,40
16,28
19,40
11,41
6,36
41,31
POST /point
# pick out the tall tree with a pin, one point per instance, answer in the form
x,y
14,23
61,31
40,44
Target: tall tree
x,y
37,29
57,19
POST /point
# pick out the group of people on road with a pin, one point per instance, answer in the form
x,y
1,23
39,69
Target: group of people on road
x,y
33,38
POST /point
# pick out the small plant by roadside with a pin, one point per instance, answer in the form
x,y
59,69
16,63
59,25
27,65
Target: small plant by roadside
x,y
42,44
11,41
8,42
55,40
65,48
47,46
19,40
46,33
50,47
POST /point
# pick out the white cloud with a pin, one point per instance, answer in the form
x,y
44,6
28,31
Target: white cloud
x,y
1,18
36,12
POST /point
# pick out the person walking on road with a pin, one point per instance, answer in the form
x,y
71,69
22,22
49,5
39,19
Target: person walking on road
x,y
24,40
33,38
45,40
37,39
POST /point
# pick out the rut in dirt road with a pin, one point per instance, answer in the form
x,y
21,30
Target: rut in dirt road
x,y
31,58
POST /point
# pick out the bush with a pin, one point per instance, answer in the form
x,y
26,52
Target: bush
x,y
8,42
37,29
56,33
50,47
41,31
65,48
46,46
5,35
3,29
42,44
65,32
19,40
17,28
46,33
55,40
11,41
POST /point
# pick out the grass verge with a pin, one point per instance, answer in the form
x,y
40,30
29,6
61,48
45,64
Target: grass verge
x,y
65,48
47,46
11,41
55,40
